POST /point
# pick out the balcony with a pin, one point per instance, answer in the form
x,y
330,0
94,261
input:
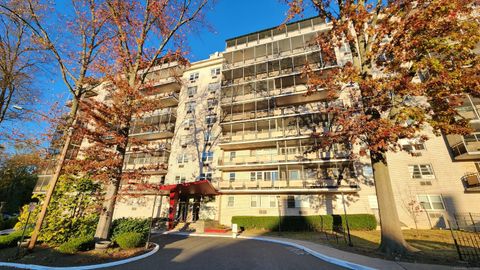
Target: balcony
x,y
252,139
247,186
471,182
272,161
164,85
287,111
161,131
146,163
465,147
166,99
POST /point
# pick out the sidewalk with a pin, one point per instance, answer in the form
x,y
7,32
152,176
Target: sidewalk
x,y
337,254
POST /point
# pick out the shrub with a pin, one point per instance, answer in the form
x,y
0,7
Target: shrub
x,y
10,240
130,240
307,223
124,225
75,245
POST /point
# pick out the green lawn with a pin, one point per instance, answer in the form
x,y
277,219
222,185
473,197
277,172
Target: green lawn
x,y
435,246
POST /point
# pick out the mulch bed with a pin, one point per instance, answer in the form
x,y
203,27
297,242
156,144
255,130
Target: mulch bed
x,y
47,256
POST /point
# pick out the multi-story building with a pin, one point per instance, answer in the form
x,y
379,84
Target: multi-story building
x,y
234,137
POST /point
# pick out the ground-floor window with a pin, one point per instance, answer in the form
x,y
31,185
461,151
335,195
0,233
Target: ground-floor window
x,y
263,201
431,202
291,201
231,201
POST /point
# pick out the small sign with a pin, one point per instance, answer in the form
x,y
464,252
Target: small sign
x,y
31,206
234,228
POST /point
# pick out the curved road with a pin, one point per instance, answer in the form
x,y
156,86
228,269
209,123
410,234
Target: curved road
x,y
202,253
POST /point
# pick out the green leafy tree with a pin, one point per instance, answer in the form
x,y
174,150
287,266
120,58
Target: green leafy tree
x,y
73,211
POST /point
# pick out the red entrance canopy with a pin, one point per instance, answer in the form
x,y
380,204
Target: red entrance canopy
x,y
203,187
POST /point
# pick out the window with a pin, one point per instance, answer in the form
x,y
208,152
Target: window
x,y
273,201
213,87
233,155
207,136
254,201
215,72
192,91
211,102
191,106
431,202
182,158
207,156
210,119
421,171
194,76
294,174
290,202
263,201
302,201
231,177
180,179
231,201
413,147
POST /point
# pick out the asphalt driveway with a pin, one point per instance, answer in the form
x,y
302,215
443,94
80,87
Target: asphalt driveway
x,y
202,253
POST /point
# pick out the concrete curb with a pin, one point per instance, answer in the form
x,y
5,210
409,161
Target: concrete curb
x,y
318,255
93,266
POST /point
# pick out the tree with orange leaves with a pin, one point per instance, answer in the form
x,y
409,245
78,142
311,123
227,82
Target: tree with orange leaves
x,y
145,34
411,64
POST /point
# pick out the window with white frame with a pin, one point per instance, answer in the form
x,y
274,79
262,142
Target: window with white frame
x,y
179,179
231,201
231,177
294,174
191,106
182,158
210,119
207,156
421,171
211,102
194,76
264,201
302,201
213,87
431,202
215,72
191,91
207,136
254,201
412,147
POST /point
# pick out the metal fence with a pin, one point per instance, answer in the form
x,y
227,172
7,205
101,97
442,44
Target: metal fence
x,y
465,230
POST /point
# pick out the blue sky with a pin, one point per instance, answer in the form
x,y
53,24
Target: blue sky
x,y
227,18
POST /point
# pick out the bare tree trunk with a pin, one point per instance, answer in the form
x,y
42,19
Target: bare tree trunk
x,y
106,216
392,241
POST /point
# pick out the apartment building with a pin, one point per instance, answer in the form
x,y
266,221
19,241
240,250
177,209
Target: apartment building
x,y
234,138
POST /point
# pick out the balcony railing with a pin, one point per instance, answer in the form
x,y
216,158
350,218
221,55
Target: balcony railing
x,y
279,184
281,158
153,87
469,146
471,182
282,111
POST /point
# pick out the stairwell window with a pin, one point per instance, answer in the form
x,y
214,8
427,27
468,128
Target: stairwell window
x,y
421,171
431,202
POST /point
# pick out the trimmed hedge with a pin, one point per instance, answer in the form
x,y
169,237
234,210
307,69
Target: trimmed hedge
x,y
130,240
74,245
124,225
364,222
11,240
